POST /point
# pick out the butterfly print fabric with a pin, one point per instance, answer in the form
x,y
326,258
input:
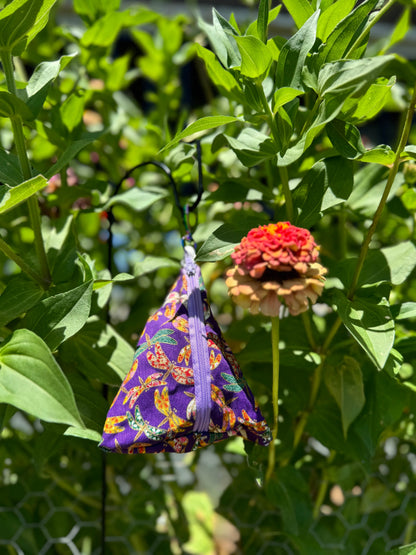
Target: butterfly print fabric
x,y
181,371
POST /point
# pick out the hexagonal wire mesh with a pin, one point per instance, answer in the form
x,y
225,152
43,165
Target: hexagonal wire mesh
x,y
367,518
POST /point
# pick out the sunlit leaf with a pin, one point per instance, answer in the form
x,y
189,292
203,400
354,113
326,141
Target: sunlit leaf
x,y
370,323
255,56
300,10
293,54
202,124
20,193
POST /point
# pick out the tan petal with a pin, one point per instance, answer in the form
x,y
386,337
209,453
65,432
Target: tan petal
x,y
270,305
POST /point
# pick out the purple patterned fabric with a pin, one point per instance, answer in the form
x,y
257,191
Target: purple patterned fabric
x,y
155,408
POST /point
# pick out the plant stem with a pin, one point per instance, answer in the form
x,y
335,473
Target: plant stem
x,y
10,253
308,330
300,426
323,488
34,212
275,396
282,169
284,176
363,253
367,28
392,174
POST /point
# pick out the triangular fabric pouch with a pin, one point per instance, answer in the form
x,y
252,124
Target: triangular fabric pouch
x,y
185,389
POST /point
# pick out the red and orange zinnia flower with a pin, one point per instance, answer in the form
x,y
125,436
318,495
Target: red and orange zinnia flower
x,y
275,264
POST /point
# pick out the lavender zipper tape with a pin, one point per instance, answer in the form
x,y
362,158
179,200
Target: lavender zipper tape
x,y
199,343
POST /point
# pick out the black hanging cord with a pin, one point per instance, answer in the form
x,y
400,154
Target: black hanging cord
x,y
162,166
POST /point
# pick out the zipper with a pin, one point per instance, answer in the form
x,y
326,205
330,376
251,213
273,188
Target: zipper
x,y
199,343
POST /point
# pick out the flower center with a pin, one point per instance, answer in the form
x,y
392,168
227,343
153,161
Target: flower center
x,y
274,275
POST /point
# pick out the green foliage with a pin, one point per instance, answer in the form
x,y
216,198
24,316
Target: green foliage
x,y
283,125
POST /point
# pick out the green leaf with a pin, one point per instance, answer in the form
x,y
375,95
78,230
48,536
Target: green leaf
x,y
300,10
252,147
20,295
288,490
370,104
12,106
20,193
346,33
59,317
221,78
221,36
385,400
71,151
10,171
41,19
284,128
93,9
381,154
350,76
369,185
411,151
255,56
217,40
84,433
393,264
283,96
21,21
104,279
61,248
370,323
400,29
262,20
221,243
42,78
104,31
72,109
293,54
409,549
31,380
346,138
330,17
202,124
92,405
345,383
328,183
327,111
138,199
227,34
378,497
152,263
404,311
99,352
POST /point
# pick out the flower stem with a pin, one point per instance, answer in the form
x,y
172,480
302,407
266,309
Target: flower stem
x,y
19,139
392,174
275,396
10,253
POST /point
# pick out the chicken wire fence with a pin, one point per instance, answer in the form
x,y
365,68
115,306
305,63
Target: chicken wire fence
x,y
192,504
